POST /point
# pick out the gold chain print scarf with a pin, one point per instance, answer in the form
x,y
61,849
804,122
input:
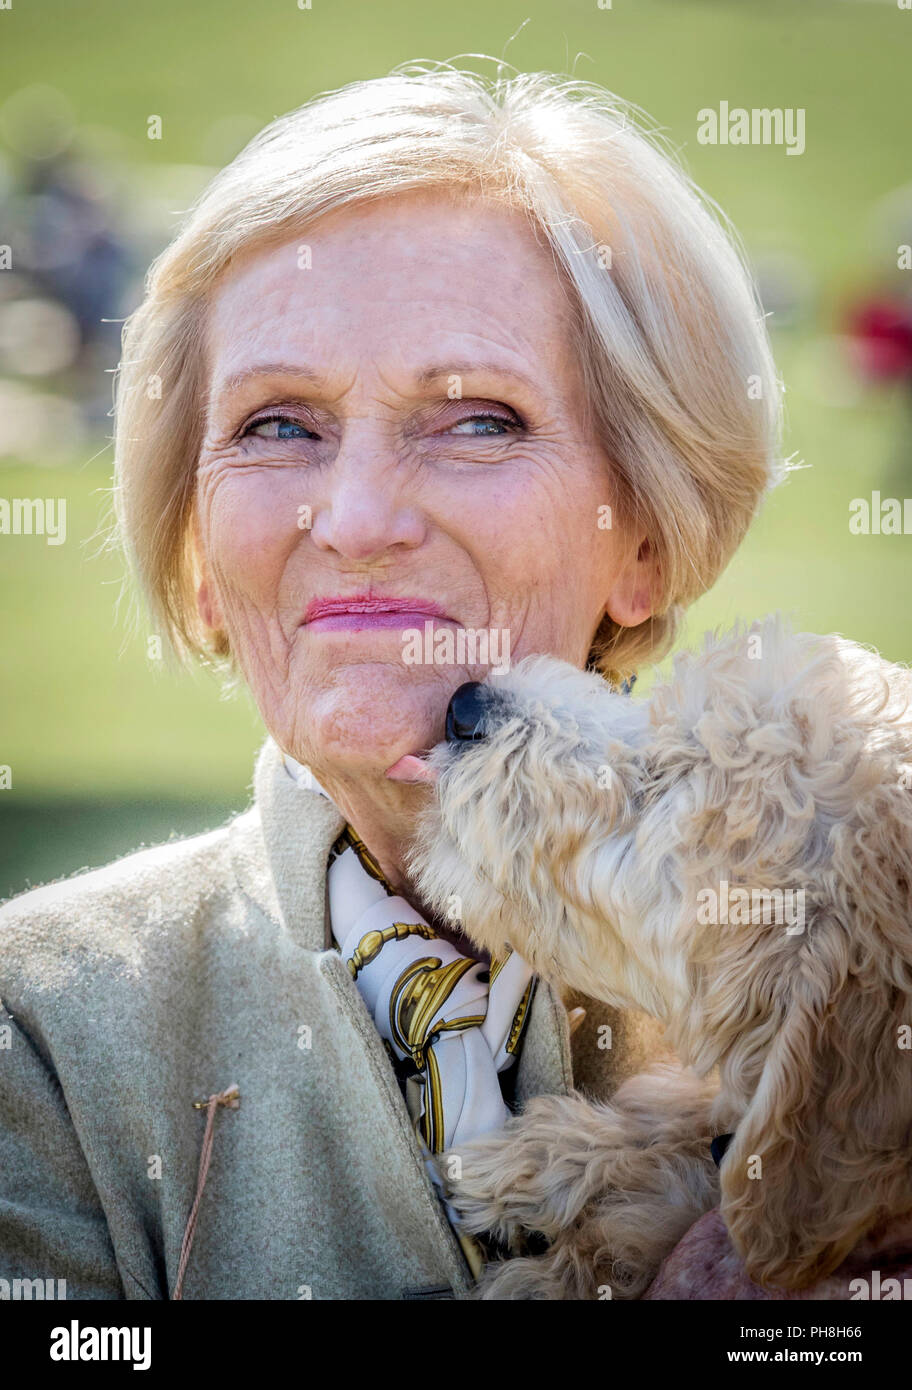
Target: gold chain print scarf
x,y
446,1018
434,1006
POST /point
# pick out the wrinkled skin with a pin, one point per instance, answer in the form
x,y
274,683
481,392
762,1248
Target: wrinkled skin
x,y
411,492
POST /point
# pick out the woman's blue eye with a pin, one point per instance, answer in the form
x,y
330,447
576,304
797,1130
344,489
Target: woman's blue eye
x,y
503,426
279,427
286,427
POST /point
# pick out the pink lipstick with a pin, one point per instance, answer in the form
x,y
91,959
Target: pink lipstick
x,y
355,612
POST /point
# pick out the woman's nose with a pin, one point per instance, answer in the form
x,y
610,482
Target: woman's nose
x,y
366,510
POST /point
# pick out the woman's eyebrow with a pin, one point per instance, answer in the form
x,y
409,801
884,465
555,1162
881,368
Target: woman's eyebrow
x,y
447,369
301,371
226,386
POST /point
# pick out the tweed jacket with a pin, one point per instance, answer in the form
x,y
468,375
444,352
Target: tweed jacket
x,y
132,991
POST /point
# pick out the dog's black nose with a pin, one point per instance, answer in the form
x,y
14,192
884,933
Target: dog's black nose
x,y
465,713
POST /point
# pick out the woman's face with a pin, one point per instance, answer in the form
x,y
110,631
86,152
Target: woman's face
x,y
394,410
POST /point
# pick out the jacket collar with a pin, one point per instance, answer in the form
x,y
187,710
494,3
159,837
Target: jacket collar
x,y
298,827
280,848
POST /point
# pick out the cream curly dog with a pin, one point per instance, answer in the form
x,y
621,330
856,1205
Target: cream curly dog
x,y
733,856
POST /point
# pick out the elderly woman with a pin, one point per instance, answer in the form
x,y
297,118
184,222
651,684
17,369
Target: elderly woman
x,y
435,356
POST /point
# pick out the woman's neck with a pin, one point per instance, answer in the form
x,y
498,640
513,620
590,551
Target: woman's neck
x,y
384,816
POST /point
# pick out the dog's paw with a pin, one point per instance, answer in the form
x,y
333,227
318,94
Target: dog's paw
x,y
524,1178
494,1192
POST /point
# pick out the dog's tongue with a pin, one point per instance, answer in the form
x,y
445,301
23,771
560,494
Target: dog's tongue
x,y
464,723
411,769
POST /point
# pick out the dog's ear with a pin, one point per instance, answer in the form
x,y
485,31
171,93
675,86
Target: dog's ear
x,y
823,1154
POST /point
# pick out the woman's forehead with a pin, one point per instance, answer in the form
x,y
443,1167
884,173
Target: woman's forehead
x,y
421,280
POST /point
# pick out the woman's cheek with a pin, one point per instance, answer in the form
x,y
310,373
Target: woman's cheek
x,y
253,525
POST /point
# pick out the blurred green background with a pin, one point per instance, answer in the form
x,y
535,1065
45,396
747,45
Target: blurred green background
x,y
107,749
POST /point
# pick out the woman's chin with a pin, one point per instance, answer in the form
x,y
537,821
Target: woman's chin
x,y
370,723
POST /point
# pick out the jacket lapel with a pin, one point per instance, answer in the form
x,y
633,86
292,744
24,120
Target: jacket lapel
x,y
299,827
545,1066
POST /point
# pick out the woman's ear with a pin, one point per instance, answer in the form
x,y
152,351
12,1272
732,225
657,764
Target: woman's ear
x,y
822,1156
632,597
207,603
208,606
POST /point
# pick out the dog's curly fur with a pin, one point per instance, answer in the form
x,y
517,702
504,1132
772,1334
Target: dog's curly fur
x,y
581,831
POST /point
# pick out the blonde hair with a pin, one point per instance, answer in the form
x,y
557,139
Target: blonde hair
x,y
671,339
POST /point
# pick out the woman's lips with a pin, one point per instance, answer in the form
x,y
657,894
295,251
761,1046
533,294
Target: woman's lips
x,y
353,622
365,611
